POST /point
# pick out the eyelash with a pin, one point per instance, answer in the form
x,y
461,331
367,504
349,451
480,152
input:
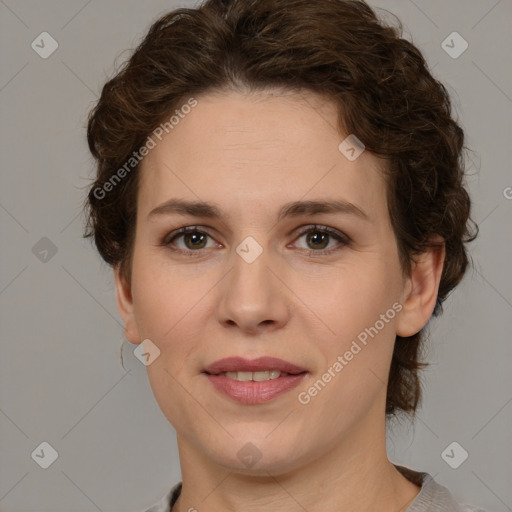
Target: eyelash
x,y
337,235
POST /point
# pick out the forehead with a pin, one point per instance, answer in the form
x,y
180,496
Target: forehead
x,y
250,151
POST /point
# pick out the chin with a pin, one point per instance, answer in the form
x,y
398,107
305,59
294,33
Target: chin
x,y
257,456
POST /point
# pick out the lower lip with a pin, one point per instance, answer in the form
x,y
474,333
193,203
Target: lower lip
x,y
253,392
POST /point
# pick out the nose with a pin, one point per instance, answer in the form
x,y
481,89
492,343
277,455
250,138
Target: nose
x,y
253,296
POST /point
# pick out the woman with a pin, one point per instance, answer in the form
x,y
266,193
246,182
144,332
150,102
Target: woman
x,y
280,192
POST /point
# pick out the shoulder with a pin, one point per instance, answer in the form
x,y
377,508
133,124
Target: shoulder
x,y
433,497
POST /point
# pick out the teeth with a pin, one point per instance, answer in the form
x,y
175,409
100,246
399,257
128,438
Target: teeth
x,y
255,376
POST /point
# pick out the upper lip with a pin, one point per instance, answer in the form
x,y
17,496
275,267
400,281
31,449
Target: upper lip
x,y
240,364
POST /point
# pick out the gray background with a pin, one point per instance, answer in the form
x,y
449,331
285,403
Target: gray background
x,y
61,380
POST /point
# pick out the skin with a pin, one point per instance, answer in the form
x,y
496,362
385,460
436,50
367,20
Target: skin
x,y
250,153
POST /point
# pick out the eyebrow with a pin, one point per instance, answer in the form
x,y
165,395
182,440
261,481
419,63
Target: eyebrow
x,y
293,209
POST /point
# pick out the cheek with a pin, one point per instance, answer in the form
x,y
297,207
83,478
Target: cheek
x,y
158,297
357,306
353,297
171,307
355,362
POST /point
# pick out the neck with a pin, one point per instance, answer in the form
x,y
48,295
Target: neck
x,y
354,474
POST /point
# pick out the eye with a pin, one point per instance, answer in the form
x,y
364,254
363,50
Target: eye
x,y
193,239
318,238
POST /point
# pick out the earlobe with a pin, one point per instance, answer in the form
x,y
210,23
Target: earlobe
x,y
420,291
125,306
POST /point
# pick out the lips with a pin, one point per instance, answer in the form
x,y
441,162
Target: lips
x,y
256,381
239,364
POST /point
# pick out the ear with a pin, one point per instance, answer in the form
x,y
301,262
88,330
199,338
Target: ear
x,y
420,291
125,306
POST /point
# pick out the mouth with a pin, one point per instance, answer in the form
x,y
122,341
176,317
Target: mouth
x,y
260,376
256,381
259,365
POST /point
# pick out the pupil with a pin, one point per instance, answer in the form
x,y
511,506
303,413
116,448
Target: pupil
x,y
322,235
194,237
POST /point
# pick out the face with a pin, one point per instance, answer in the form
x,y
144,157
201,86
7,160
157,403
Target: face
x,y
275,274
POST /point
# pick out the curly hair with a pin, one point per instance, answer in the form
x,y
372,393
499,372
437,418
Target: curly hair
x,y
340,49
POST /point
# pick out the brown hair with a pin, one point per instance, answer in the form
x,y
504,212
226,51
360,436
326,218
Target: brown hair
x,y
338,48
